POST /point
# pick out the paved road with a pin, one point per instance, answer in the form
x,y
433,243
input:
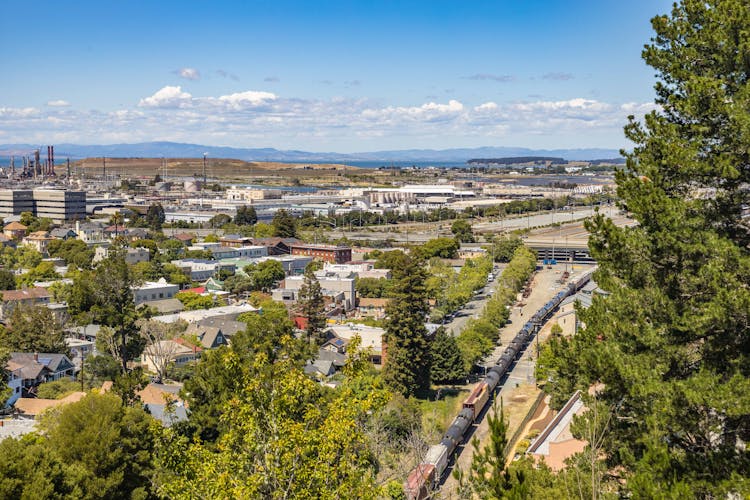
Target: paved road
x,y
474,307
417,232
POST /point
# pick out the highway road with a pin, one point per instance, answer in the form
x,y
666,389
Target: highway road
x,y
419,232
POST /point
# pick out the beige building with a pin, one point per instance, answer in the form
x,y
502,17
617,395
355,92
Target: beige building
x,y
248,194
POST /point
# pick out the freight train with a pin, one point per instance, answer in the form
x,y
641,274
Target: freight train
x,y
426,475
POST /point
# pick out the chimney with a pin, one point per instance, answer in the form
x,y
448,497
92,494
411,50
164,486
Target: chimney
x,y
36,357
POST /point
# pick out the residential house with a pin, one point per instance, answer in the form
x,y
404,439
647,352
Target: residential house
x,y
340,290
33,407
90,232
229,328
174,351
203,269
88,332
15,230
371,337
5,241
230,312
131,255
37,368
210,337
79,350
185,238
63,233
39,240
164,306
27,297
235,240
372,307
154,290
15,380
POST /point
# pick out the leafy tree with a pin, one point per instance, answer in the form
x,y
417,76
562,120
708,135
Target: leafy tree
x,y
374,288
151,245
284,224
503,247
219,220
285,437
7,280
445,248
44,271
107,446
246,216
311,304
111,304
447,364
30,469
72,251
462,231
98,368
670,344
263,230
27,257
33,329
193,301
262,276
390,260
57,388
155,216
211,238
407,365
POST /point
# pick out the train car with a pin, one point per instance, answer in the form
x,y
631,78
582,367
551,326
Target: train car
x,y
437,455
477,399
456,432
418,485
492,379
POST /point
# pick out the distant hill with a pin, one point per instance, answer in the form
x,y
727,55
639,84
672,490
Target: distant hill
x,y
183,150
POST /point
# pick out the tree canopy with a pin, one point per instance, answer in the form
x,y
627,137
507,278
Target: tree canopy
x,y
670,346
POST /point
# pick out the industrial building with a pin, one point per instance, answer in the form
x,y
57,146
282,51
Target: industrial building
x,y
326,253
58,205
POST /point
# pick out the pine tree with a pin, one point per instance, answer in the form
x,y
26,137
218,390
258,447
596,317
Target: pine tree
x,y
284,224
407,362
447,364
312,306
671,345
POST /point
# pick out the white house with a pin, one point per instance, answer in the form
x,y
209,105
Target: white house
x,y
154,290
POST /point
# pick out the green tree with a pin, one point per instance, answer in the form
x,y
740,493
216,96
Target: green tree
x,y
57,388
407,365
107,446
245,216
488,476
285,437
670,345
503,247
7,280
112,305
311,304
445,248
461,229
44,271
284,224
219,220
193,301
155,216
447,364
33,329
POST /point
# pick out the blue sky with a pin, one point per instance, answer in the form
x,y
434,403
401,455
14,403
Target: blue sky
x,y
325,76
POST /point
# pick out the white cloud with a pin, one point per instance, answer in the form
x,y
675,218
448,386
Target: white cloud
x,y
189,73
58,103
18,112
247,98
167,97
261,118
487,106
